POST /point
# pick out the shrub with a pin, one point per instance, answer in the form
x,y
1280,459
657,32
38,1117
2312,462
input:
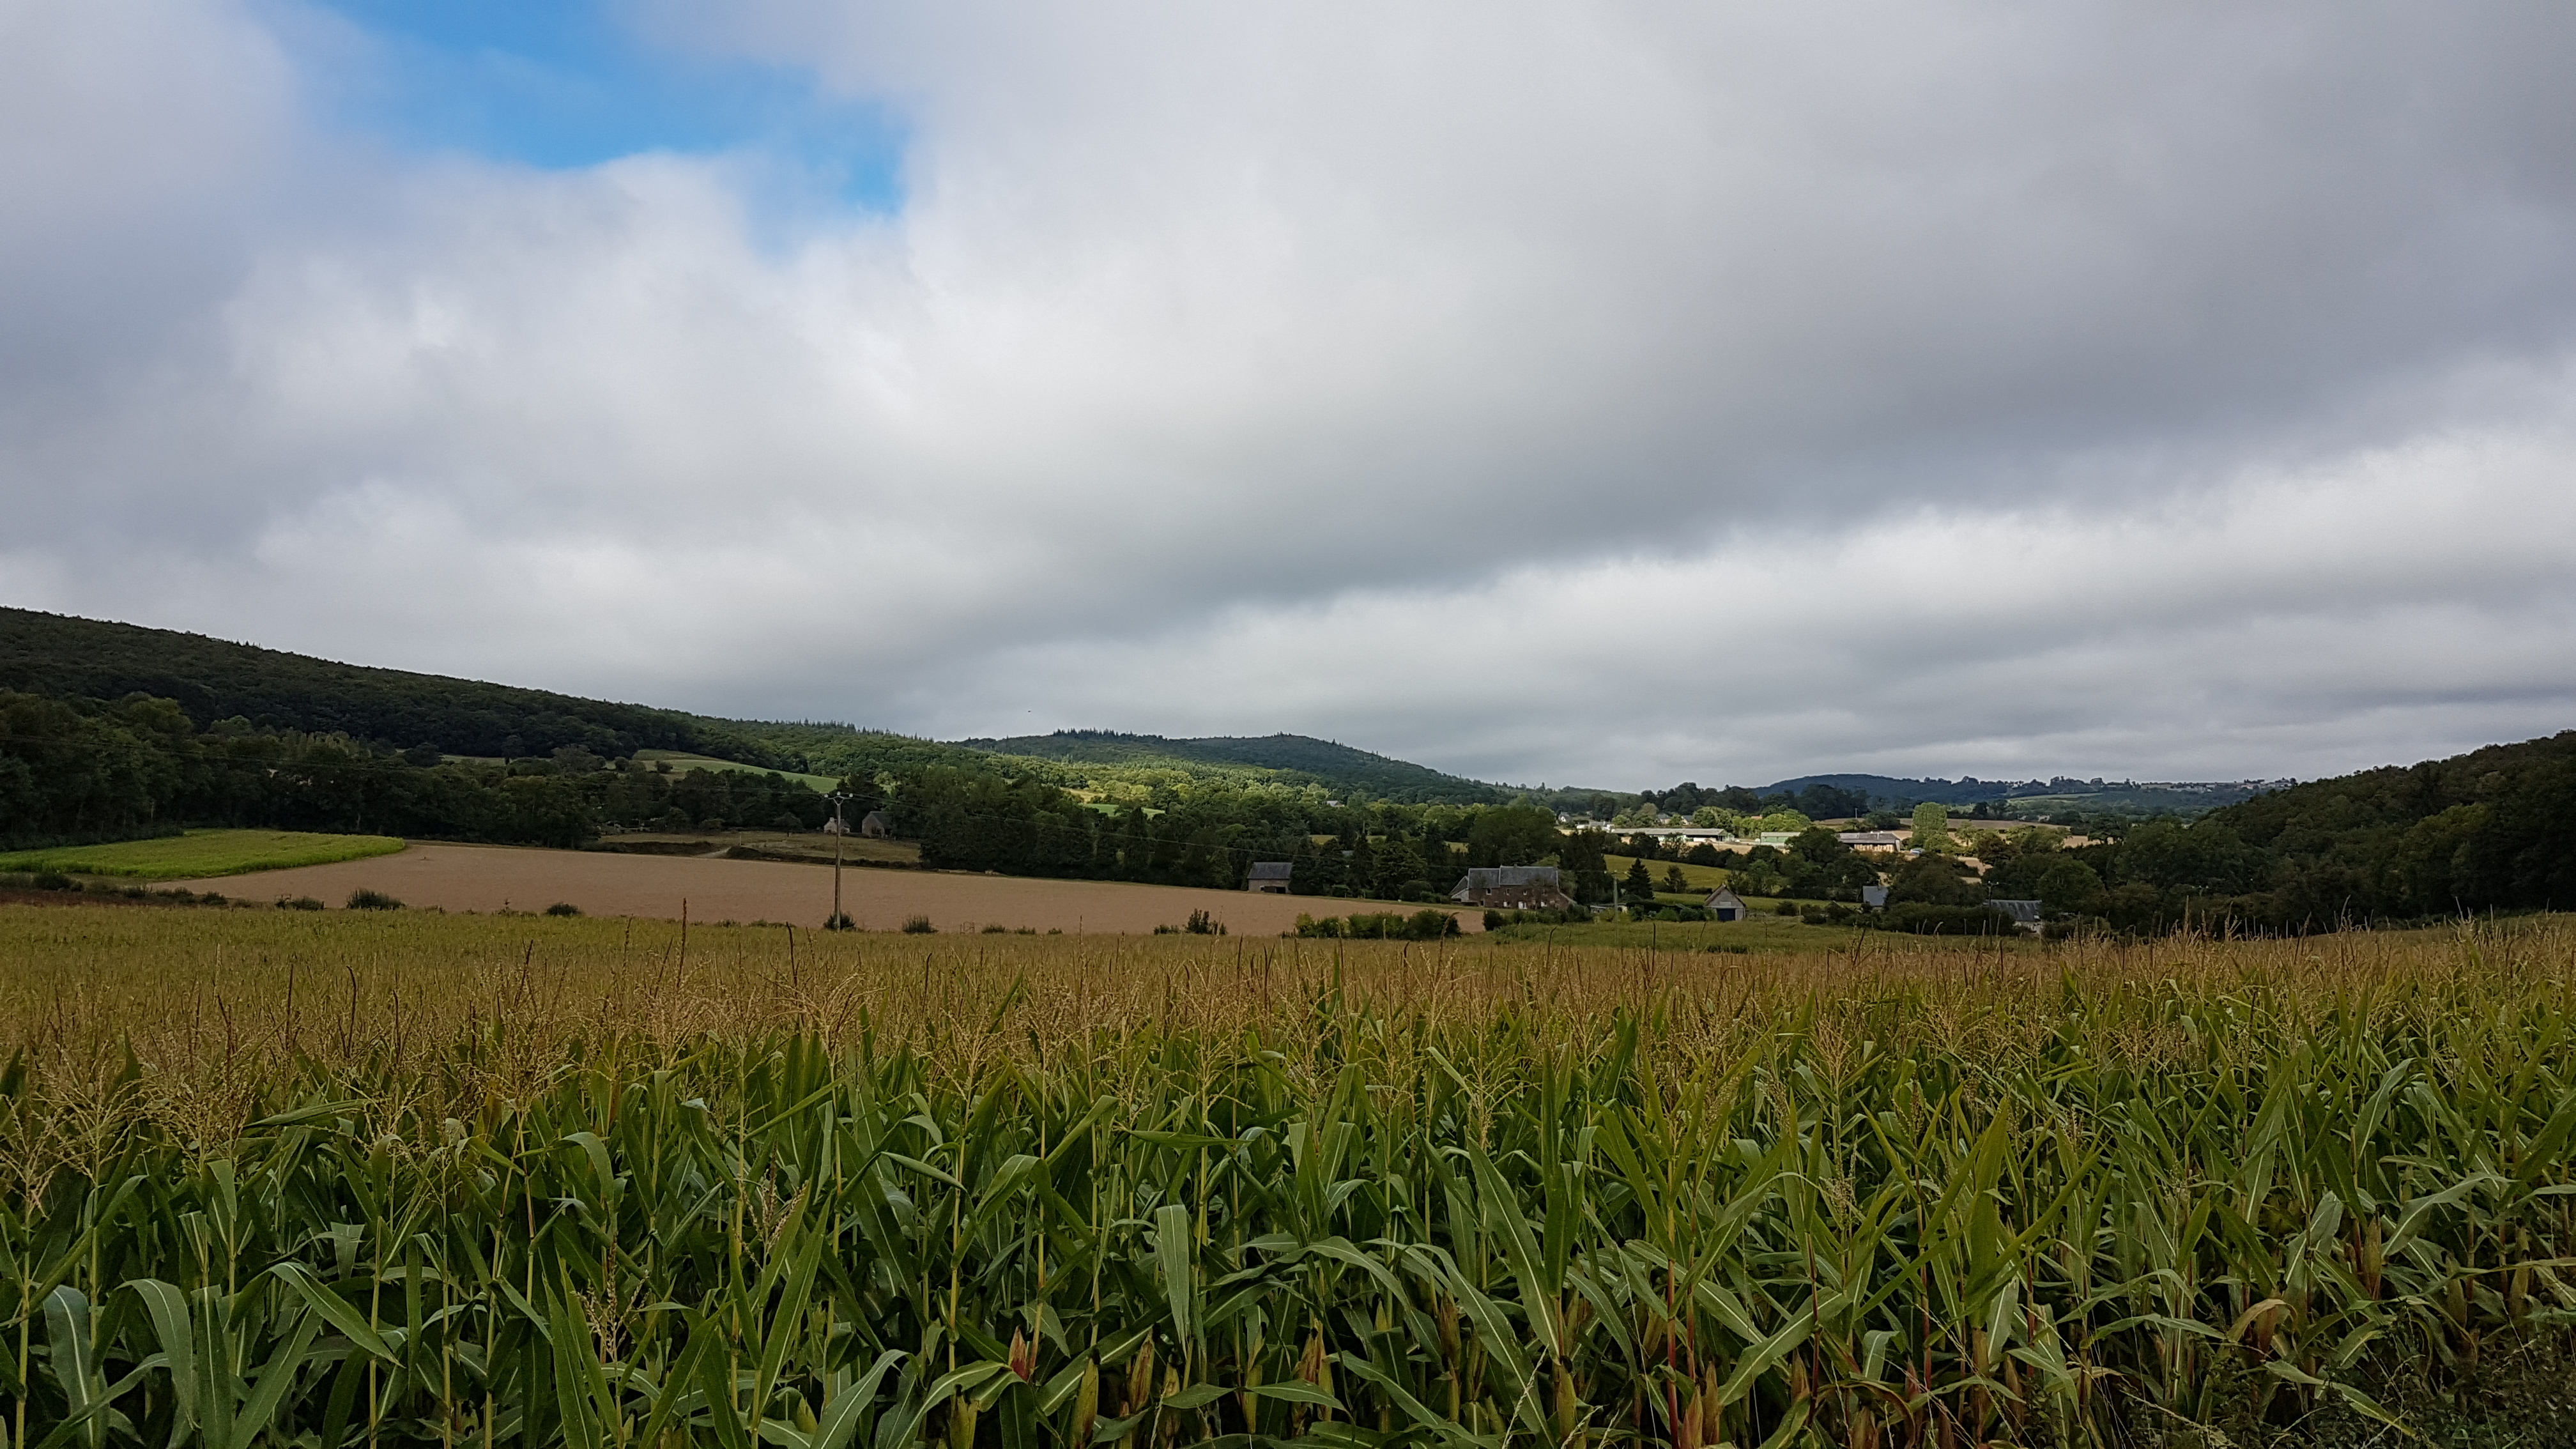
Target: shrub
x,y
1429,925
363,899
54,881
298,903
841,922
563,908
1005,930
1201,924
919,926
1785,908
211,898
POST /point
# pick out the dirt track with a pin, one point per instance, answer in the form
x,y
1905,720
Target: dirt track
x,y
491,877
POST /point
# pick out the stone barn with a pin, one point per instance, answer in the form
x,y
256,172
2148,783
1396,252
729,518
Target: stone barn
x,y
1269,877
1513,888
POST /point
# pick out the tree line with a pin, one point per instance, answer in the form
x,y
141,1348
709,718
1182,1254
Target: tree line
x,y
83,769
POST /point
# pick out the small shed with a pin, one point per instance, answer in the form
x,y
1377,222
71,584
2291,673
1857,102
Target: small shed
x,y
1725,905
1513,888
1873,898
1269,877
873,825
2025,914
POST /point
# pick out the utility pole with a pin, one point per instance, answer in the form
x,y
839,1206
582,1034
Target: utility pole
x,y
840,832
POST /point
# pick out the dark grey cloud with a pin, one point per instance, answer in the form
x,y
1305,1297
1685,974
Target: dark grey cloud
x,y
1609,392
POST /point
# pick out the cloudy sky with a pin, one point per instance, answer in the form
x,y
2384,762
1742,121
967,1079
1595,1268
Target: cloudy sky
x,y
1610,393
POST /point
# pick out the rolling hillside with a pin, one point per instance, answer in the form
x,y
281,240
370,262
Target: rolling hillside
x,y
58,656
1336,767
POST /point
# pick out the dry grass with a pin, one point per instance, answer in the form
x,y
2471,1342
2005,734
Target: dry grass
x,y
186,986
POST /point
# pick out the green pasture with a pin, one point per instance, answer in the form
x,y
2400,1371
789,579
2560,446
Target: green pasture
x,y
682,762
202,853
1703,878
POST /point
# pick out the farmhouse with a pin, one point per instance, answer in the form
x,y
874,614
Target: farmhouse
x,y
1725,905
1513,888
1269,877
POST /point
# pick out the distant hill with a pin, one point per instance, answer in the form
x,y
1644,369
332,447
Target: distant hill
x,y
212,680
1336,767
2062,793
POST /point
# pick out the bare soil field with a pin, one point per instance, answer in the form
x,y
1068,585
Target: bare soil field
x,y
498,877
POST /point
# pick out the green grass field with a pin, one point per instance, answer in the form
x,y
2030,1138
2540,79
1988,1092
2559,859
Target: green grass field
x,y
202,853
1702,877
681,763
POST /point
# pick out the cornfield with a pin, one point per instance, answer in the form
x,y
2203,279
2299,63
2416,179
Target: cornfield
x,y
479,1182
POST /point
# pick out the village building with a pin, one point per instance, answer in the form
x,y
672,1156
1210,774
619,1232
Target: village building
x,y
1513,888
2025,914
1269,877
1887,840
873,825
1725,905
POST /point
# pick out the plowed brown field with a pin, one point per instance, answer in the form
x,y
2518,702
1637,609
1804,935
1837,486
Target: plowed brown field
x,y
495,877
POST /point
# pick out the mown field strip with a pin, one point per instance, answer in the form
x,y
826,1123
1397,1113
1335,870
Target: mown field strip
x,y
201,854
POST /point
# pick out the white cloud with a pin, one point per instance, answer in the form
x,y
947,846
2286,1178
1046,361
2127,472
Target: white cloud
x,y
1623,392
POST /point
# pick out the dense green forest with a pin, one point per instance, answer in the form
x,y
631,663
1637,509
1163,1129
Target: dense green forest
x,y
59,657
2494,829
81,769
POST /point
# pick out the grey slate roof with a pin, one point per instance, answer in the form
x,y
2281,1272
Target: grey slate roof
x,y
1490,877
1270,869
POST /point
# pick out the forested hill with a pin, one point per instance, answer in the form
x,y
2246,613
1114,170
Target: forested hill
x,y
59,657
2492,828
2062,793
1336,767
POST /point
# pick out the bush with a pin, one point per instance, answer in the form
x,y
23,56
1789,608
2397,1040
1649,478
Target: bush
x,y
1430,925
298,903
1005,930
363,899
919,926
1200,924
54,881
841,922
1569,916
563,908
1785,908
211,898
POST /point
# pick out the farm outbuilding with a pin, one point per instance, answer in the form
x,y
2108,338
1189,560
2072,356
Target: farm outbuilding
x,y
1513,888
1725,905
1269,877
2025,914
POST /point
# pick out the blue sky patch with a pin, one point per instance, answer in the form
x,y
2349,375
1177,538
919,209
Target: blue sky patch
x,y
565,83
